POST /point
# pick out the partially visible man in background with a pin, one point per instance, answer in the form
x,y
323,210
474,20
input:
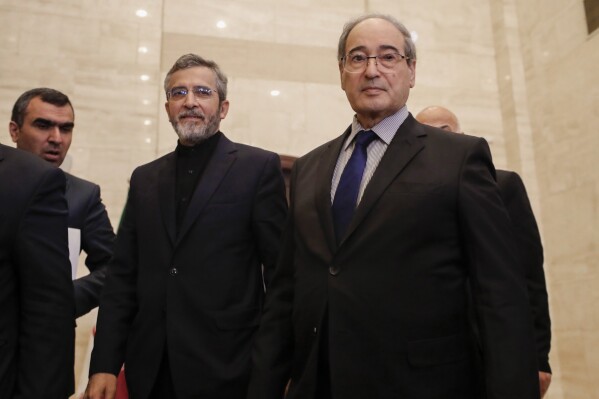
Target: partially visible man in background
x,y
42,123
37,334
517,203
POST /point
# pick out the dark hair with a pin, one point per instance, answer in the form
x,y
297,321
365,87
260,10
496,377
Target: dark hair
x,y
47,95
409,47
193,60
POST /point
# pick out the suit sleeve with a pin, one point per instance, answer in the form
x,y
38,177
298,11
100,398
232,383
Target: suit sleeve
x,y
118,303
269,212
498,283
273,347
97,240
531,253
46,330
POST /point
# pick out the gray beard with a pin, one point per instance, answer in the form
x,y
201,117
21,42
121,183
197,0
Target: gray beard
x,y
192,133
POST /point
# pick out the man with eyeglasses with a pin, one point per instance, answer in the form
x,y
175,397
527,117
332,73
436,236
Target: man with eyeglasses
x,y
388,223
195,249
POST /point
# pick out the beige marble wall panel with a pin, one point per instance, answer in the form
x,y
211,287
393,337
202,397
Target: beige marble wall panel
x,y
257,60
306,23
561,74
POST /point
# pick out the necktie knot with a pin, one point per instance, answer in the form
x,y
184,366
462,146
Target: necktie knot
x,y
364,138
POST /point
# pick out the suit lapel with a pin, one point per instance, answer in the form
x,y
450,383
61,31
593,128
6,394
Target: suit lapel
x,y
402,149
326,168
166,194
216,170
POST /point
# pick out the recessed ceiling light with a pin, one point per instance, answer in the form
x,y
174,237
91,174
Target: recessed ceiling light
x,y
141,13
274,93
145,101
221,24
414,36
148,140
145,78
147,122
142,49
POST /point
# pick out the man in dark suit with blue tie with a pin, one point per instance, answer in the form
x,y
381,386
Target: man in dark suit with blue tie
x,y
37,328
42,123
196,247
530,248
374,303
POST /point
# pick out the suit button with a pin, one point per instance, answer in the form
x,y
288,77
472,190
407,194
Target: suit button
x,y
314,330
334,270
174,271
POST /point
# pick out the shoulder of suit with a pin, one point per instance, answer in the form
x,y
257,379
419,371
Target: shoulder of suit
x,y
24,162
508,177
79,183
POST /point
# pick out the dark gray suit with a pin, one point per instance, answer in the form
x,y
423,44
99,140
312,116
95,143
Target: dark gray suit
x,y
88,214
530,249
200,290
389,302
37,335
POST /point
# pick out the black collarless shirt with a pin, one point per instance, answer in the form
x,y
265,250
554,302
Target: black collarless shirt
x,y
191,163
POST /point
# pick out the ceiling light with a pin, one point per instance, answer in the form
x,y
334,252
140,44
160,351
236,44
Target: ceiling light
x,y
274,93
221,24
142,49
414,36
147,122
141,13
145,78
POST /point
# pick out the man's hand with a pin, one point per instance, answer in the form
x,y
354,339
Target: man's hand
x,y
544,381
101,386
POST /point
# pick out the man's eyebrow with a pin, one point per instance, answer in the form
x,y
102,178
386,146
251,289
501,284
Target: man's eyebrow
x,y
381,47
48,122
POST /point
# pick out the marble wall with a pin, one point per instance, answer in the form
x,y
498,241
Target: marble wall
x,y
520,73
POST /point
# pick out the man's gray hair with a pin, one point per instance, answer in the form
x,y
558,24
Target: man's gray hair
x,y
192,60
409,47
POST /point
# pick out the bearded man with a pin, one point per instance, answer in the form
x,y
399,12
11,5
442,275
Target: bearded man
x,y
194,252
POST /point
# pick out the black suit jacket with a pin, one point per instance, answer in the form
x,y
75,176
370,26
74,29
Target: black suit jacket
x,y
37,334
88,214
516,201
393,292
201,291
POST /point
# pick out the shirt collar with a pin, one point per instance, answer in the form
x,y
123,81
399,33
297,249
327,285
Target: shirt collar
x,y
385,129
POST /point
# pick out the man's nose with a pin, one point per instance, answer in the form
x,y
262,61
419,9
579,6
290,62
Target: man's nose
x,y
55,135
190,100
372,68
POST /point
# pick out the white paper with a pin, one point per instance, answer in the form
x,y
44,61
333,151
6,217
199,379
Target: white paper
x,y
74,249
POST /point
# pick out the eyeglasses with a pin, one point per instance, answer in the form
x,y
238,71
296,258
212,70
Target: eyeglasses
x,y
179,93
358,61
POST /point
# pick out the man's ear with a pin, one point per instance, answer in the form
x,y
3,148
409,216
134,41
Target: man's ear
x,y
14,131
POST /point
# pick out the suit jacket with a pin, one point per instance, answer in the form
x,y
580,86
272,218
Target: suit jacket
x,y
393,293
88,215
37,334
516,201
199,292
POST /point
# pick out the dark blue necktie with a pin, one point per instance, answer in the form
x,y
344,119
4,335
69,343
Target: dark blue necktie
x,y
346,195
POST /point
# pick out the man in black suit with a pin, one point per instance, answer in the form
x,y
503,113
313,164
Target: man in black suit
x,y
42,123
513,194
37,334
369,298
195,248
